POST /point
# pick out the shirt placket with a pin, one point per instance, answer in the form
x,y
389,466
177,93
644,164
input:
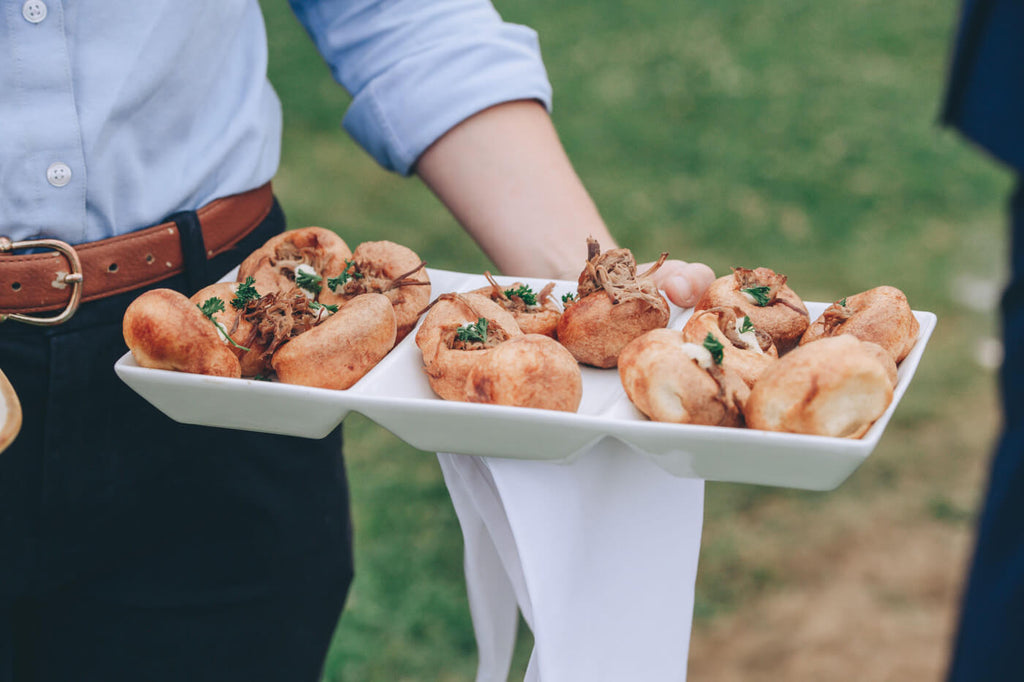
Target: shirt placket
x,y
42,165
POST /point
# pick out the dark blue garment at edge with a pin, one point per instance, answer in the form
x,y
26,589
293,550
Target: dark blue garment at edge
x,y
136,548
986,103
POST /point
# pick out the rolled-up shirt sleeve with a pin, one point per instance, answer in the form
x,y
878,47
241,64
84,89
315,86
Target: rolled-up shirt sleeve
x,y
416,68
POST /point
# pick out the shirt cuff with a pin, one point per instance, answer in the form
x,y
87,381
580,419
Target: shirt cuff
x,y
406,108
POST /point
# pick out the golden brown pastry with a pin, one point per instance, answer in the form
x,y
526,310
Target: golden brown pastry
x,y
305,257
672,380
613,305
764,295
341,349
228,316
387,268
837,386
535,312
881,315
165,330
747,350
456,331
531,370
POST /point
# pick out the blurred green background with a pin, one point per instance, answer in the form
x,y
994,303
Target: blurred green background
x,y
794,134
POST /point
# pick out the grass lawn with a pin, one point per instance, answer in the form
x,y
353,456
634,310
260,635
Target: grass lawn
x,y
793,134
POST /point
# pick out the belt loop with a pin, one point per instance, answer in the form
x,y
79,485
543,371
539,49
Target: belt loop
x,y
193,250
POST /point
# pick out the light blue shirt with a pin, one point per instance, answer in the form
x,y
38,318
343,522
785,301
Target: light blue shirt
x,y
116,113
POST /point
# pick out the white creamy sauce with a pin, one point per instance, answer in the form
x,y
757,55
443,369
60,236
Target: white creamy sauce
x,y
749,338
697,353
750,297
307,269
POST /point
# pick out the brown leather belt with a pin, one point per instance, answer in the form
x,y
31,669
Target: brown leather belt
x,y
41,282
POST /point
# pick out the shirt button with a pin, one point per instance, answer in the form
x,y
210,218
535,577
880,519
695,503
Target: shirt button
x,y
58,174
34,11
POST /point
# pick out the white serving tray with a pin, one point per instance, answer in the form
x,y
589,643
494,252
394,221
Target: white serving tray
x,y
395,394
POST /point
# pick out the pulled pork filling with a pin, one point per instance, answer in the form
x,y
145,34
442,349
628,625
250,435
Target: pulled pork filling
x,y
276,319
834,316
287,257
515,303
614,272
365,277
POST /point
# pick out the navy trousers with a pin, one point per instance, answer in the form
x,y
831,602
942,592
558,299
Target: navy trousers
x,y
990,640
136,548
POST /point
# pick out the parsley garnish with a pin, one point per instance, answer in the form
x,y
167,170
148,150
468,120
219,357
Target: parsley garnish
x,y
331,307
335,282
714,347
246,292
473,331
747,325
842,303
211,307
761,295
523,292
308,281
568,298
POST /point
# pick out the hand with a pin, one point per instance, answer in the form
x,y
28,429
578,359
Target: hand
x,y
683,283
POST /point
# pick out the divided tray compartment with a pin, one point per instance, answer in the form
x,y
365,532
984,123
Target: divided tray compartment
x,y
395,395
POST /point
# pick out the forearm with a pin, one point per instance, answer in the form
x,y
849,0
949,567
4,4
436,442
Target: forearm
x,y
505,177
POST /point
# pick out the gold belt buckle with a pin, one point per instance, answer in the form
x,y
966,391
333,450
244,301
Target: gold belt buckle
x,y
74,278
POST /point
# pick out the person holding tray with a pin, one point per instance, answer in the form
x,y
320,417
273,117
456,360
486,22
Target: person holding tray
x,y
985,102
137,144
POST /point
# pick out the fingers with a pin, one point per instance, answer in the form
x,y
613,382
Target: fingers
x,y
683,283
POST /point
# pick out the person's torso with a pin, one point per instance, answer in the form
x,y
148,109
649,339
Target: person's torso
x,y
116,113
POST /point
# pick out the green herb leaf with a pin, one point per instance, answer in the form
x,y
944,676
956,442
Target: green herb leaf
x,y
568,298
842,303
246,292
331,307
747,325
334,282
308,281
761,295
714,347
211,307
523,292
473,331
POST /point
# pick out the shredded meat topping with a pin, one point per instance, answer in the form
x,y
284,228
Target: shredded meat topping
x,y
834,316
614,272
516,304
276,319
366,277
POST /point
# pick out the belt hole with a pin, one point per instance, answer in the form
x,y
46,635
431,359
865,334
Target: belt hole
x,y
150,258
16,286
112,267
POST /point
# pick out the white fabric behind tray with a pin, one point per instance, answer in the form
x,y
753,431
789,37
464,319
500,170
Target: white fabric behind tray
x,y
600,555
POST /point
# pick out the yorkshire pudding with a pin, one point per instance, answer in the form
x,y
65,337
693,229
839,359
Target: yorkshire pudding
x,y
456,331
837,386
532,370
387,268
747,350
613,305
535,312
672,380
341,349
881,315
165,330
764,295
305,257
